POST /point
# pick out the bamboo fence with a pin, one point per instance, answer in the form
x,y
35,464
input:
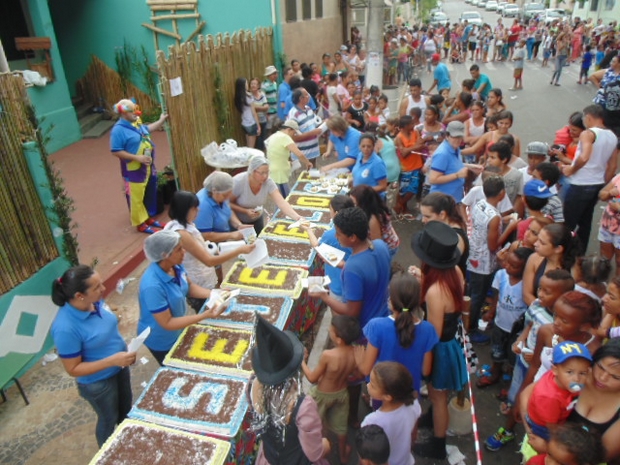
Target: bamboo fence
x,y
26,241
195,118
101,86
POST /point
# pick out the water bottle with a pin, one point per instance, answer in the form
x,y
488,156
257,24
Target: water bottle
x,y
148,152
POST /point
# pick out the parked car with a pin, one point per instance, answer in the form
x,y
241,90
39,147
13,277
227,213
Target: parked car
x,y
491,5
551,14
510,11
482,3
500,7
439,19
472,17
532,10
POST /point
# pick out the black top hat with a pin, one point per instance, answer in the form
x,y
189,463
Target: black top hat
x,y
437,245
277,354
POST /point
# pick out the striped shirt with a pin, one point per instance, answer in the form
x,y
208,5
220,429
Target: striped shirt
x,y
307,122
270,89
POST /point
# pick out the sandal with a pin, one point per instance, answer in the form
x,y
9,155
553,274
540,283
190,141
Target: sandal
x,y
503,395
505,408
485,382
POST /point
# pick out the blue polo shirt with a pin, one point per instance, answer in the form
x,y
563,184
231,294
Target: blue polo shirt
x,y
92,336
283,92
366,277
442,75
125,136
483,79
212,217
447,160
370,172
160,292
347,146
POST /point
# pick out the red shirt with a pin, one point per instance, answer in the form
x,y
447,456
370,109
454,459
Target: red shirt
x,y
549,404
514,33
537,460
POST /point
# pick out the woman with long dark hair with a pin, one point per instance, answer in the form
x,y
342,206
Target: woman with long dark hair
x,y
442,291
91,349
244,103
379,221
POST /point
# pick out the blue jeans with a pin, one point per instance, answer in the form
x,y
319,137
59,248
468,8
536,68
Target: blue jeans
x,y
579,208
559,64
478,285
111,400
529,43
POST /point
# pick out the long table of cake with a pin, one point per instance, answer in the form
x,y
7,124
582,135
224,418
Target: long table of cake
x,y
194,409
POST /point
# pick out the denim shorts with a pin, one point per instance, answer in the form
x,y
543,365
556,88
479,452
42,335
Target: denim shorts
x,y
518,375
251,130
500,341
606,237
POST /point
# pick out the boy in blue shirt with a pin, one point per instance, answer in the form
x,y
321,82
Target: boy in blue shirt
x,y
586,62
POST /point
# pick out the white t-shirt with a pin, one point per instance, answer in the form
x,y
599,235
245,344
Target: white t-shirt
x,y
246,198
197,271
510,304
482,260
332,91
397,425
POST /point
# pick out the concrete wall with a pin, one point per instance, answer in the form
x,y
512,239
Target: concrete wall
x,y
96,27
307,40
602,12
53,102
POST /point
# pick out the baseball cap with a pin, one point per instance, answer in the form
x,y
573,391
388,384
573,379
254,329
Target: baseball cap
x,y
344,48
569,349
436,57
537,148
291,124
536,188
269,70
456,129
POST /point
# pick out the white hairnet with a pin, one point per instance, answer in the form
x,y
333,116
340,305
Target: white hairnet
x,y
160,245
218,181
256,162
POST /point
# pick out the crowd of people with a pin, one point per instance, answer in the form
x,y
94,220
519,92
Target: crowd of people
x,y
506,224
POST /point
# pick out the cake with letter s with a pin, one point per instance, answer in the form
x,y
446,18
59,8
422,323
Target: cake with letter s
x,y
199,402
241,310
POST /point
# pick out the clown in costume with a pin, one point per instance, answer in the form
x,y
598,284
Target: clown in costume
x,y
131,142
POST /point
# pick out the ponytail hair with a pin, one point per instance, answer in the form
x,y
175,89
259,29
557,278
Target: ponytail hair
x,y
561,235
70,283
405,299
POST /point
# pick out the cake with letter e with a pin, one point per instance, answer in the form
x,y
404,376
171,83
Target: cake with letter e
x,y
266,279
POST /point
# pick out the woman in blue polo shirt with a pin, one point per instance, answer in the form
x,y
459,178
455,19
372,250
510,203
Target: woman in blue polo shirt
x,y
163,289
216,221
90,347
369,169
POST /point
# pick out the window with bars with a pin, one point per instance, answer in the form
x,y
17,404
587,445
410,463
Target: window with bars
x,y
318,9
291,10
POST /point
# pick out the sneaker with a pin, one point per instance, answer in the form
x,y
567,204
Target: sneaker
x,y
477,337
145,228
499,440
154,223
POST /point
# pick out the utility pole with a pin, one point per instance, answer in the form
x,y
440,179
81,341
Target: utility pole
x,y
374,59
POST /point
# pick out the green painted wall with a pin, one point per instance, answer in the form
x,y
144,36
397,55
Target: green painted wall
x,y
53,102
96,27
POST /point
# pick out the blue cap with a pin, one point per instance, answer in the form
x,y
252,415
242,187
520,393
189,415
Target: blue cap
x,y
537,188
569,349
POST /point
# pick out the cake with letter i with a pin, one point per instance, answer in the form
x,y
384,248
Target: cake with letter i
x,y
241,310
321,217
212,349
265,279
199,402
279,229
139,443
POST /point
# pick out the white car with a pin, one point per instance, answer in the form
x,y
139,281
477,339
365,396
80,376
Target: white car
x,y
510,11
472,17
491,5
474,2
551,14
500,7
439,18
